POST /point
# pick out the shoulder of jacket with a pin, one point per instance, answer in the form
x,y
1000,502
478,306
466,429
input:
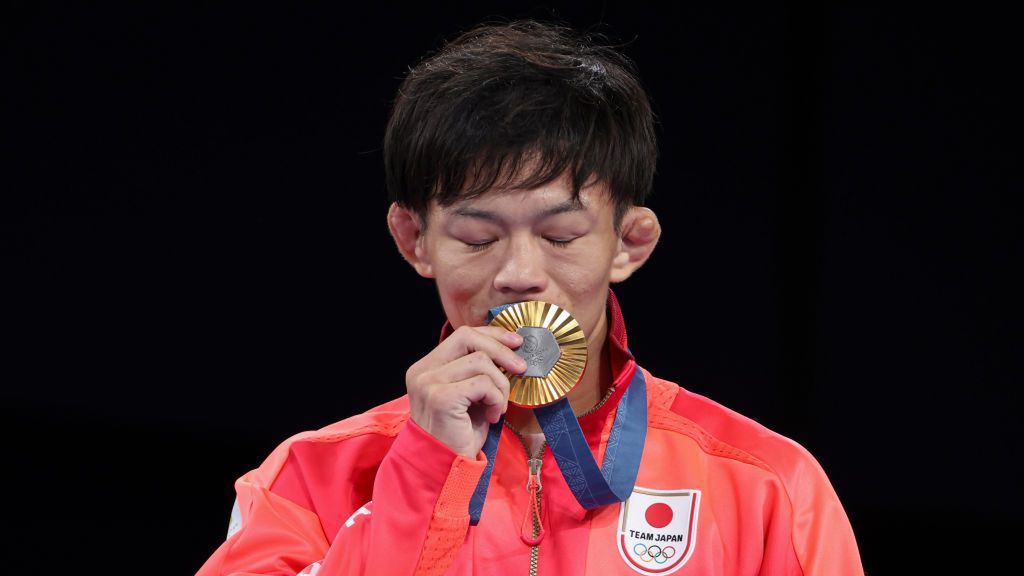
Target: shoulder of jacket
x,y
383,422
723,432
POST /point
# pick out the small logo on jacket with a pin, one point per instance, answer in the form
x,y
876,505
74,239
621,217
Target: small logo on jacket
x,y
657,529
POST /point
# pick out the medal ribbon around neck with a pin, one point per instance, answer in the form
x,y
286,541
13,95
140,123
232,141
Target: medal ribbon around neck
x,y
555,350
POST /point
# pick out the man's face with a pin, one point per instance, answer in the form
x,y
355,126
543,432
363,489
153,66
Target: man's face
x,y
509,246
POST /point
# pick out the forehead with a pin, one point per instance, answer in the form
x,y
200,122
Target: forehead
x,y
542,202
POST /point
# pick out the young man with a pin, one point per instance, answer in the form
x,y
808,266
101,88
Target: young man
x,y
518,158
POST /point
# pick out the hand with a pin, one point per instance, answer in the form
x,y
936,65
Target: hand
x,y
457,391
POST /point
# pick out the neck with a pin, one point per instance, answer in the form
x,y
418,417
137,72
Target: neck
x,y
596,381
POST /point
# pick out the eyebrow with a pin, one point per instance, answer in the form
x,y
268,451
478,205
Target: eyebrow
x,y
571,205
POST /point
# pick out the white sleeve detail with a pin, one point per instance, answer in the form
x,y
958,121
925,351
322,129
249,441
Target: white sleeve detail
x,y
363,511
310,570
235,523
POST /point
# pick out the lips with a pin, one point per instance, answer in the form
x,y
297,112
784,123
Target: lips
x,y
495,308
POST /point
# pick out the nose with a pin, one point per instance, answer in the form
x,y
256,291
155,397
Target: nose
x,y
521,268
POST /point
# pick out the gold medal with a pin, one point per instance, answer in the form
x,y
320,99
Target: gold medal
x,y
554,347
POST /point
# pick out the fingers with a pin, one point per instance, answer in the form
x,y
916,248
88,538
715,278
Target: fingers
x,y
471,365
481,390
460,383
497,343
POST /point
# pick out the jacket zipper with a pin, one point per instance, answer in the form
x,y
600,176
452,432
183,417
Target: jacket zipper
x,y
533,486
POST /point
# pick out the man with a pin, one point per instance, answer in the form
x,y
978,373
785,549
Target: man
x,y
518,158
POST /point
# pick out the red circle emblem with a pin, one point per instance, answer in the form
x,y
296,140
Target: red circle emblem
x,y
659,514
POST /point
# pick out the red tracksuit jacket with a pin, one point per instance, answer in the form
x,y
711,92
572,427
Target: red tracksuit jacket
x,y
375,494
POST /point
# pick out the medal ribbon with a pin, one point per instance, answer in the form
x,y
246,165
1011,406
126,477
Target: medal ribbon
x,y
592,485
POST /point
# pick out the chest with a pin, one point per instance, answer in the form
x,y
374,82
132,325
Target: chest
x,y
689,513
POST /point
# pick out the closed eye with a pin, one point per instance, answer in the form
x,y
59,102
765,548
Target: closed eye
x,y
478,246
560,243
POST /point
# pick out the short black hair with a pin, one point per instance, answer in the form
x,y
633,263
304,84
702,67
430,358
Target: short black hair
x,y
521,101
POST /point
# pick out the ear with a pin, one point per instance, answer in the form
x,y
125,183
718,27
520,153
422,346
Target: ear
x,y
407,229
638,235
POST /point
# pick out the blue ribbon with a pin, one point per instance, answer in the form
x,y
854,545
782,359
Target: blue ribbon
x,y
592,485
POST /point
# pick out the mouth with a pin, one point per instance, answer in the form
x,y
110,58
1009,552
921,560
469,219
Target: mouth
x,y
502,304
493,308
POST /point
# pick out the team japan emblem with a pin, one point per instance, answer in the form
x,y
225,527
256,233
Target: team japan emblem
x,y
657,529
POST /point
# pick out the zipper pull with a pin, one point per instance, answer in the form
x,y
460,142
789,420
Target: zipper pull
x,y
532,531
535,464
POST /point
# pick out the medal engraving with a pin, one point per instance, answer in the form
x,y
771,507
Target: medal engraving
x,y
554,347
539,349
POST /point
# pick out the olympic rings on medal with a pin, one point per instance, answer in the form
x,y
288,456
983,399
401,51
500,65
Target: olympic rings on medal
x,y
653,553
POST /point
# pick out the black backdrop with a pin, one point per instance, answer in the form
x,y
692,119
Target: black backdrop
x,y
198,217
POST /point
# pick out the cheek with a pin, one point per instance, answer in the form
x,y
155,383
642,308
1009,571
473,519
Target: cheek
x,y
584,294
585,285
583,273
465,294
459,281
578,282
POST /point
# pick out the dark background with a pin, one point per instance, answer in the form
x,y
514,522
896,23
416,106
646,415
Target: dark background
x,y
197,208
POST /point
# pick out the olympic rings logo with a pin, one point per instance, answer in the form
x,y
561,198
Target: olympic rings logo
x,y
653,553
